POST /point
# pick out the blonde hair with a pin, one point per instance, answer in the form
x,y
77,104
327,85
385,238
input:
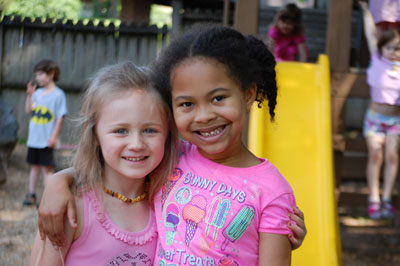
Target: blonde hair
x,y
108,83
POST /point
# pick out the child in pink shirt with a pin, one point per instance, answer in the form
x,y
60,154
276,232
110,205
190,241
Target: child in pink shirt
x,y
286,36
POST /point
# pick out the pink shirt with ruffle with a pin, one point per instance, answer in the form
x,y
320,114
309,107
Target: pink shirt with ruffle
x,y
102,242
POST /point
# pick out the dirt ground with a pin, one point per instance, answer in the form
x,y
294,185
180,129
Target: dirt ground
x,y
362,246
18,224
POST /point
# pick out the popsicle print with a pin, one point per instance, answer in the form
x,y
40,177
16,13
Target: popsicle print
x,y
238,225
211,212
216,215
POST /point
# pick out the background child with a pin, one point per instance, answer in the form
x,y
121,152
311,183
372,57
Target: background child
x,y
382,120
126,126
286,36
47,107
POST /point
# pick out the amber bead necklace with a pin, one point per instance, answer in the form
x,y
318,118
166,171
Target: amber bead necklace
x,y
124,198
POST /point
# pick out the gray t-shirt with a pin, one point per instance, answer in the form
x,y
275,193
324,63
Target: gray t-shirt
x,y
46,109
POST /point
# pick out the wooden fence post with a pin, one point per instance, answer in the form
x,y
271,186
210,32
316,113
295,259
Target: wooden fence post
x,y
1,52
338,43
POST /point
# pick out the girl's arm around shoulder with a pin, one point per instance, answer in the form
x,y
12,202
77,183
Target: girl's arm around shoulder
x,y
298,227
281,216
44,253
279,213
57,201
274,250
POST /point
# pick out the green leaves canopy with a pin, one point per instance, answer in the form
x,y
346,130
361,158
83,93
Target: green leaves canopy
x,y
69,9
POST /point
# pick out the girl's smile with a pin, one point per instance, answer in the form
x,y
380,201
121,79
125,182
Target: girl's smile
x,y
210,107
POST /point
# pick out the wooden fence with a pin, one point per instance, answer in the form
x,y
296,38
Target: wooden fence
x,y
78,48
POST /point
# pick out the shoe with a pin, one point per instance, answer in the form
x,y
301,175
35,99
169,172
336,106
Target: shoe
x,y
374,210
387,210
30,199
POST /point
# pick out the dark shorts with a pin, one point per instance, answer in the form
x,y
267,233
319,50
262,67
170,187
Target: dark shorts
x,y
43,157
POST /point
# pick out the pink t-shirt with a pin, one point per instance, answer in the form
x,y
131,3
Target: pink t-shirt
x,y
285,45
385,10
383,77
211,214
103,243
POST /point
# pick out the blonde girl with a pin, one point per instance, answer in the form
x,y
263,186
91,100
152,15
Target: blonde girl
x,y
126,150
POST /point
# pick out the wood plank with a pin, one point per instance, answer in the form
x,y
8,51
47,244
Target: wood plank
x,y
90,55
111,50
132,49
67,60
338,48
360,87
356,144
79,60
341,85
11,55
143,51
354,165
1,52
245,23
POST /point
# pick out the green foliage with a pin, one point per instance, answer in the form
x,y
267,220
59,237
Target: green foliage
x,y
4,4
68,9
161,15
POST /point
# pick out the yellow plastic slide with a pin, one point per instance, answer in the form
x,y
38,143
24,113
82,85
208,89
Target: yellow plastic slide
x,y
299,144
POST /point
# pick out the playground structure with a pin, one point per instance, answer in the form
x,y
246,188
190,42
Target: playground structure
x,y
299,144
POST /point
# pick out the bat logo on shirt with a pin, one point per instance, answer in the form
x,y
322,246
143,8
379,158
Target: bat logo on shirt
x,y
41,115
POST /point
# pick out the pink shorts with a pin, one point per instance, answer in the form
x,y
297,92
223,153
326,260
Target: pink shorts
x,y
376,124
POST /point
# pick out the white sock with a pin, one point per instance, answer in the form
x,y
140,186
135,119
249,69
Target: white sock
x,y
374,199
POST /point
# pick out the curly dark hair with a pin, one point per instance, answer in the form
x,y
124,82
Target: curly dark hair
x,y
48,66
246,58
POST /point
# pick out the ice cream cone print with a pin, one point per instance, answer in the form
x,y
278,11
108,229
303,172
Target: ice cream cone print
x,y
191,228
227,261
171,222
176,174
193,213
